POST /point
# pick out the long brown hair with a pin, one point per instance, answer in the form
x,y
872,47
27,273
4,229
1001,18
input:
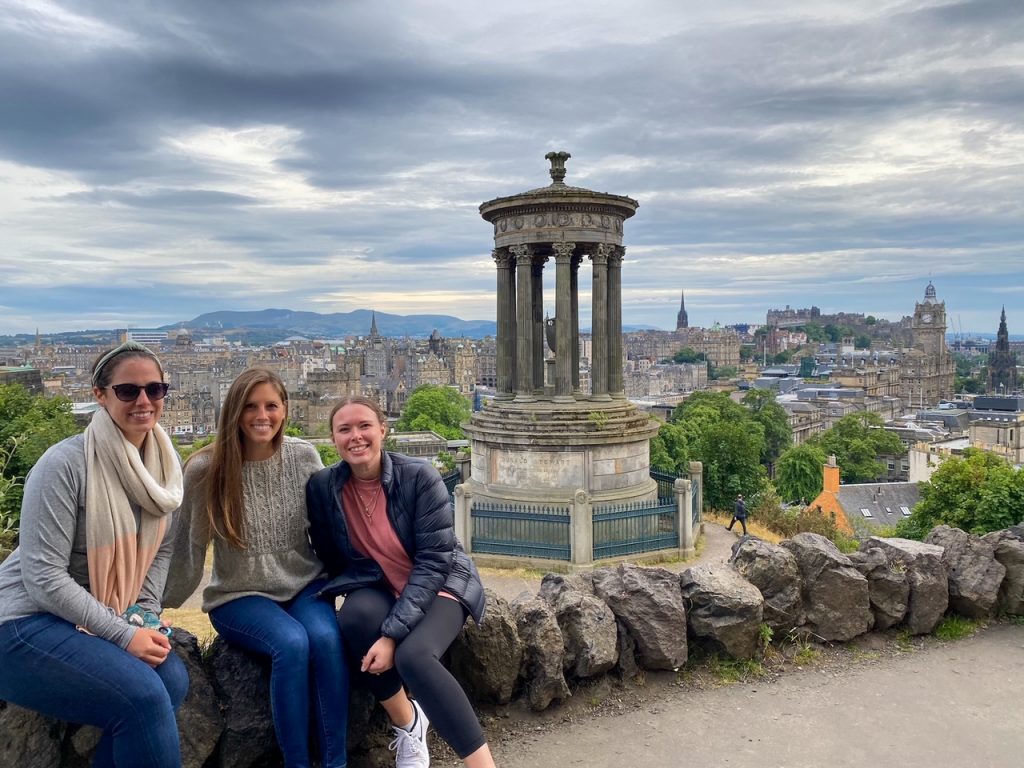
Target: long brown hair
x,y
224,498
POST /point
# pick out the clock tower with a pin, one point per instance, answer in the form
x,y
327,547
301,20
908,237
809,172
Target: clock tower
x,y
927,370
929,325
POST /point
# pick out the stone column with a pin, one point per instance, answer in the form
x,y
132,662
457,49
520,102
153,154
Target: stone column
x,y
523,255
506,345
599,325
463,517
574,310
684,507
563,323
537,283
582,529
615,385
696,477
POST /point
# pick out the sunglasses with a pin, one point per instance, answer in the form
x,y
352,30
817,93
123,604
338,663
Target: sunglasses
x,y
129,393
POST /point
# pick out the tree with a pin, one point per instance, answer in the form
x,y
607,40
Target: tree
x,y
857,440
436,409
686,355
863,341
871,320
29,424
798,473
670,449
764,409
328,454
723,435
978,492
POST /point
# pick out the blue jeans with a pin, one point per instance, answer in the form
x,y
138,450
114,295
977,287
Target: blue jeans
x,y
301,638
49,666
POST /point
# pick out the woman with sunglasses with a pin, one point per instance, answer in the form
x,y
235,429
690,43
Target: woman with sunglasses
x,y
383,525
246,493
80,634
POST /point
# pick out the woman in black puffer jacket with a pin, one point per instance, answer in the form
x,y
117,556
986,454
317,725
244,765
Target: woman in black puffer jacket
x,y
382,524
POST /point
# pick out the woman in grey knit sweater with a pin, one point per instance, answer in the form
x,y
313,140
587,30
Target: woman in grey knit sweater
x,y
246,493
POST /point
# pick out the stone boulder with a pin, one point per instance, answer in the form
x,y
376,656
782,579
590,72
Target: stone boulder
x,y
975,575
724,610
242,683
486,659
773,570
649,604
588,626
1008,547
926,577
28,739
835,594
200,722
543,652
888,586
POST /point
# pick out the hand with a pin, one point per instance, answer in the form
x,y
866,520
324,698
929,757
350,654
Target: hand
x,y
380,657
150,646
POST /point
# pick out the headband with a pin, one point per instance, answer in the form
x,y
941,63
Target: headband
x,y
128,346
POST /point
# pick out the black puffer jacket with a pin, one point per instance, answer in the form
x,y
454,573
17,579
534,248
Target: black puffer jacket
x,y
420,511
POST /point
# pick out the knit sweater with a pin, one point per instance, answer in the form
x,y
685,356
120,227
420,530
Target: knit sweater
x,y
277,561
49,571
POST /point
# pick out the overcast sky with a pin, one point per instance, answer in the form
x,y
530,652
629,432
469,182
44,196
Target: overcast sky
x,y
159,160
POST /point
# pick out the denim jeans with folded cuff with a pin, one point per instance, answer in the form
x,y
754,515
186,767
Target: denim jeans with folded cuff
x,y
301,638
48,666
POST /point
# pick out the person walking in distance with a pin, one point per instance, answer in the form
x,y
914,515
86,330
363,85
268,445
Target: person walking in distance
x,y
383,525
739,512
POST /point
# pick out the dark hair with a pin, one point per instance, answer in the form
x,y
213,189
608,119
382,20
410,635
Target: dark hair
x,y
104,366
369,402
225,504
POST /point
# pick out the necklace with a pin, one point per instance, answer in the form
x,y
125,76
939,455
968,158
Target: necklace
x,y
368,509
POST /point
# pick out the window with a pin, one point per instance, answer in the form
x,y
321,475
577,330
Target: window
x,y
905,511
891,464
866,512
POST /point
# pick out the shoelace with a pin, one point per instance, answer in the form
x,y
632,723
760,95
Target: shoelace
x,y
406,743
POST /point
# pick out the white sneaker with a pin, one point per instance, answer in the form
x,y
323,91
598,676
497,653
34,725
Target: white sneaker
x,y
412,746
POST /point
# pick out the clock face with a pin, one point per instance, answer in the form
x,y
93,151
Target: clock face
x,y
926,317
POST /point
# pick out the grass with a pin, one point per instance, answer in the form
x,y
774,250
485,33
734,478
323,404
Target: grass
x,y
956,628
806,656
904,640
735,670
193,620
753,527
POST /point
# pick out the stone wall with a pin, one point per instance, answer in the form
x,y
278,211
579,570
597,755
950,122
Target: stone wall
x,y
611,621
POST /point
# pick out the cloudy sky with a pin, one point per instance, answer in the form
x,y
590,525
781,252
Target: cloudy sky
x,y
163,159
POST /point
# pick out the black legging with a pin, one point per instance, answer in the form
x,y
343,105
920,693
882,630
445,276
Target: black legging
x,y
417,663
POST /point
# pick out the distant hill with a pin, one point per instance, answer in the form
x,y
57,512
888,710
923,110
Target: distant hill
x,y
282,323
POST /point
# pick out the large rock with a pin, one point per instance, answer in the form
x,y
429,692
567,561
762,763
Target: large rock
x,y
650,605
487,659
200,722
773,570
28,739
975,575
543,652
242,683
835,594
1008,546
724,610
888,586
926,577
588,625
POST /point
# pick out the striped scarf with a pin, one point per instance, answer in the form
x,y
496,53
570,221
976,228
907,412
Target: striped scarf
x,y
119,551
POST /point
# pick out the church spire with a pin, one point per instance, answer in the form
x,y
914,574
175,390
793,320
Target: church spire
x,y
682,319
373,325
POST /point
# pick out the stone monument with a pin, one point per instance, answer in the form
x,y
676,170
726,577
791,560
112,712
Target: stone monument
x,y
542,439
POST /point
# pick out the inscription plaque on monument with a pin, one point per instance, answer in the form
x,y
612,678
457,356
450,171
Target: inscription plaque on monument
x,y
546,469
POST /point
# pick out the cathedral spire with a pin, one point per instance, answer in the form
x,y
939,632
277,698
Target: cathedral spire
x,y
682,320
373,325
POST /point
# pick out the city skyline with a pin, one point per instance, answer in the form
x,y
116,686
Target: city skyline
x,y
159,162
